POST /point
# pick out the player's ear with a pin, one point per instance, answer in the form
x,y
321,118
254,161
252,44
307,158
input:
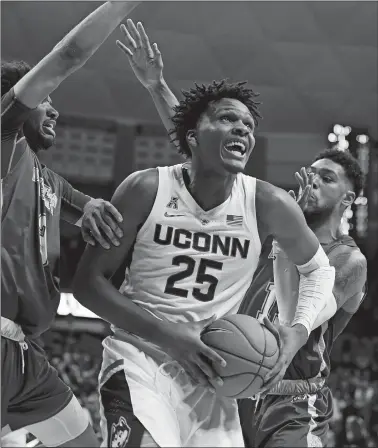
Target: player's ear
x,y
349,198
191,138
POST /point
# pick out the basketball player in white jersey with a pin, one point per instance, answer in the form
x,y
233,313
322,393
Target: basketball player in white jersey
x,y
192,240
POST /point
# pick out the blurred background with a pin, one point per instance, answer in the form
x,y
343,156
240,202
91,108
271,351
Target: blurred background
x,y
315,66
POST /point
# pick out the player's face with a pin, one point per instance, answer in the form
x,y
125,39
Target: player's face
x,y
39,129
223,140
332,191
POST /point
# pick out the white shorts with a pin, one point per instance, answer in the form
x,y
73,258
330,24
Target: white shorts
x,y
171,407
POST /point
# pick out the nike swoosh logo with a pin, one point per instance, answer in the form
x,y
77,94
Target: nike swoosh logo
x,y
171,216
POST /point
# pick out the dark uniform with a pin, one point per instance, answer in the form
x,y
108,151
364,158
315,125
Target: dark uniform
x,y
31,211
299,418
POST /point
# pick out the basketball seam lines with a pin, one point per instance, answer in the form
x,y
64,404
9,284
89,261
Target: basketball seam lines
x,y
257,374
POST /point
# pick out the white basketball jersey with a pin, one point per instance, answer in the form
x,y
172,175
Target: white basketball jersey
x,y
189,264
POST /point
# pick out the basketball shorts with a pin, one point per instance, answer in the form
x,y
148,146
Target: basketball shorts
x,y
142,394
31,390
282,421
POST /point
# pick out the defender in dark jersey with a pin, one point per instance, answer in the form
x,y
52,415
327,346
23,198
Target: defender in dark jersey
x,y
298,411
34,200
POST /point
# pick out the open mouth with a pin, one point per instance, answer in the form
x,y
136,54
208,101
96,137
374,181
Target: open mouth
x,y
236,147
49,127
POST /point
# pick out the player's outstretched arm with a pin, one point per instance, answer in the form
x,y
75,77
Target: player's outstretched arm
x,y
134,199
147,64
286,275
275,207
71,53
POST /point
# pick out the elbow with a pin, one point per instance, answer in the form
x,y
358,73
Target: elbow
x,y
71,55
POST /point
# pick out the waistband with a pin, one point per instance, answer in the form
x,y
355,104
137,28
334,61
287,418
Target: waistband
x,y
297,387
11,330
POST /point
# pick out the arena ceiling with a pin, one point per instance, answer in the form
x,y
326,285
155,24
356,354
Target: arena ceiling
x,y
314,63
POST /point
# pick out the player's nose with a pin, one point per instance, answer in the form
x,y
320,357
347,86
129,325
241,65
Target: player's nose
x,y
240,129
52,113
315,182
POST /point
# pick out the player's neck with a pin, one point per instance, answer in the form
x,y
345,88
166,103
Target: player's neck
x,y
326,230
208,189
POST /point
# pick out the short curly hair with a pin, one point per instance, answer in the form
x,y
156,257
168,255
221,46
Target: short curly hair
x,y
350,164
197,99
11,73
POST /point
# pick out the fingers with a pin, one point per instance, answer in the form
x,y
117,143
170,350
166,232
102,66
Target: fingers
x,y
145,41
274,376
305,195
272,329
107,230
113,225
123,47
208,370
156,49
134,33
196,374
304,175
299,179
87,236
92,228
129,39
113,211
292,194
212,355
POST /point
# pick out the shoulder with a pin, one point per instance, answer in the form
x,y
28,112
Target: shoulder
x,y
347,259
137,191
273,202
144,182
351,270
269,194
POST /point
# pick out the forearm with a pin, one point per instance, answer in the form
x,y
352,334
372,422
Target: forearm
x,y
71,53
98,295
286,283
286,280
164,101
73,203
316,283
83,40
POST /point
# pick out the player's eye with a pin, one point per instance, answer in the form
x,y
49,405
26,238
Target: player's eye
x,y
226,118
327,179
249,125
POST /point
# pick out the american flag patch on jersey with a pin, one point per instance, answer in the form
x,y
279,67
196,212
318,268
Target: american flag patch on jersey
x,y
234,220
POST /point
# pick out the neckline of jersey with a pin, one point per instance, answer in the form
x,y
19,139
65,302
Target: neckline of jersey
x,y
182,172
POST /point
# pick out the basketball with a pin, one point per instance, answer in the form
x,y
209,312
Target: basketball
x,y
249,349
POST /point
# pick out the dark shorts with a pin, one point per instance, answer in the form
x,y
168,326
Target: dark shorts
x,y
31,394
122,427
287,421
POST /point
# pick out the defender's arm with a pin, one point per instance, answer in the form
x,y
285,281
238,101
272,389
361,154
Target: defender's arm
x,y
285,221
71,53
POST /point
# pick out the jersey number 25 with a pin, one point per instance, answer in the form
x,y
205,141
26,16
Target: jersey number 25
x,y
201,278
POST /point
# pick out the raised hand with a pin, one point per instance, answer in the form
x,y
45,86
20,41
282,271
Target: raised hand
x,y
145,60
305,181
